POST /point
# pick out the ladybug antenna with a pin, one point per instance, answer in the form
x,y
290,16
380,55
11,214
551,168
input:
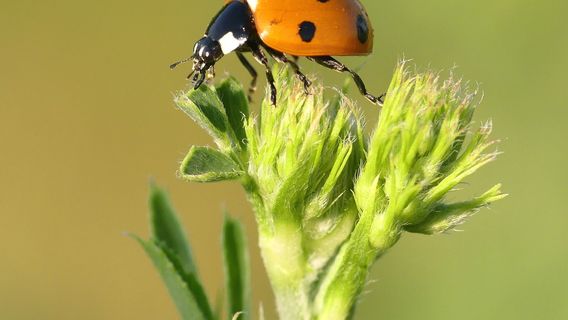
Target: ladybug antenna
x,y
190,74
173,65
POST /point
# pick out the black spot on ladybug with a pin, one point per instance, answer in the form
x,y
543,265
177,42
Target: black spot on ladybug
x,y
307,31
362,29
324,1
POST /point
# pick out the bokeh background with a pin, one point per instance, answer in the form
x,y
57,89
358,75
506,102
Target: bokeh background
x,y
87,119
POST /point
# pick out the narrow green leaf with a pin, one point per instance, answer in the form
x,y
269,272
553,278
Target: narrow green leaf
x,y
167,230
194,285
236,106
177,286
204,164
445,217
237,269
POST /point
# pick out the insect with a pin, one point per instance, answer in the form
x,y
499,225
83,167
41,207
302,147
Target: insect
x,y
315,29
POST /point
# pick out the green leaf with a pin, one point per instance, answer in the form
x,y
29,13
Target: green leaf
x,y
177,285
205,108
194,285
236,106
446,217
203,164
167,230
237,269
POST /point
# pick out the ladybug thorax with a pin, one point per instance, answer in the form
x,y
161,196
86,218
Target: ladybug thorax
x,y
229,30
232,27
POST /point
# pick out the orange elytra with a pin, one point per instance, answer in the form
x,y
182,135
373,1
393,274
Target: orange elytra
x,y
332,28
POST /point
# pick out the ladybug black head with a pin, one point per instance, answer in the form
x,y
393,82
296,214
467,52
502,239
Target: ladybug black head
x,y
206,51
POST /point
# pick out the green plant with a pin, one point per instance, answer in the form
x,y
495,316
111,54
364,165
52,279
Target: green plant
x,y
329,198
170,252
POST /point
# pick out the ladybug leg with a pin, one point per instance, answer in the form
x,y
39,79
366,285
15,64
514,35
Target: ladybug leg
x,y
210,75
280,57
198,80
331,63
259,55
199,76
254,75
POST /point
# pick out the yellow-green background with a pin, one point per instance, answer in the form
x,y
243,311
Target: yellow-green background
x,y
86,119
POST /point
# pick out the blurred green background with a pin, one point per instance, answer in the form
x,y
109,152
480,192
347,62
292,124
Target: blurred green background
x,y
86,119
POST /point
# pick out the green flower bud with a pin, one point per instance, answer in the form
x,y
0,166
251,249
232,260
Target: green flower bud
x,y
329,198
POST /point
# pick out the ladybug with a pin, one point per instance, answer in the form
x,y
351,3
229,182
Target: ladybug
x,y
315,29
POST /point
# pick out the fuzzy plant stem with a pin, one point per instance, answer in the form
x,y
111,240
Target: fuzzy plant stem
x,y
345,279
281,249
286,267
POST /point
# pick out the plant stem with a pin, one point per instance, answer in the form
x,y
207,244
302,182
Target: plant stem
x,y
282,253
286,267
347,276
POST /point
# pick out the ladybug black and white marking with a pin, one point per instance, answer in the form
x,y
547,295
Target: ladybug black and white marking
x,y
315,29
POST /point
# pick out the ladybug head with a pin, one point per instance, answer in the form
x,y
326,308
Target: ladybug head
x,y
206,53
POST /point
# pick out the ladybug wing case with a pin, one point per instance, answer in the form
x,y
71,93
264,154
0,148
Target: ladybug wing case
x,y
314,28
